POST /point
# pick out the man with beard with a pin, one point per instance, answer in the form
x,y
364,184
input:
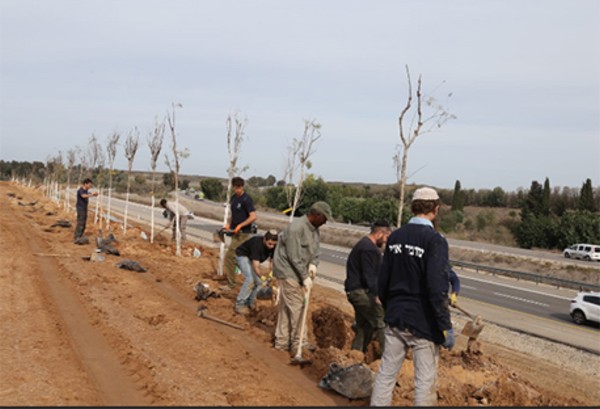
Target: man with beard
x,y
362,269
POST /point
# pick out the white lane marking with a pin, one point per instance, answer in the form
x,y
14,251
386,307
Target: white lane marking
x,y
519,288
512,297
470,287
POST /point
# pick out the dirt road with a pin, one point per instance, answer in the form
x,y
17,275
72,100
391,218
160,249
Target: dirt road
x,y
77,332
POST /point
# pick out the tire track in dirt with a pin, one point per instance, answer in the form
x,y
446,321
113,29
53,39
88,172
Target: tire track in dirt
x,y
97,357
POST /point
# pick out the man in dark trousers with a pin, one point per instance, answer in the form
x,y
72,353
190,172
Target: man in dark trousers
x,y
243,214
83,196
362,269
413,289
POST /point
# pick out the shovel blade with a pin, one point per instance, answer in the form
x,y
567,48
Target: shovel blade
x,y
473,328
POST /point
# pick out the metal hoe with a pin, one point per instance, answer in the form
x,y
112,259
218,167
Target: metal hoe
x,y
202,314
298,360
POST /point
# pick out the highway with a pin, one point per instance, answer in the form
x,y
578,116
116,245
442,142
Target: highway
x,y
536,309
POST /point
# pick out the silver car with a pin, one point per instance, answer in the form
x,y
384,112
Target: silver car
x,y
587,252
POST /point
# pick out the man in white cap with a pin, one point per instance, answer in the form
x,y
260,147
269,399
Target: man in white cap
x,y
413,289
295,266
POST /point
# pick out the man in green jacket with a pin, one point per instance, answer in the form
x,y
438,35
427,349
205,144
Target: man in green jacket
x,y
295,266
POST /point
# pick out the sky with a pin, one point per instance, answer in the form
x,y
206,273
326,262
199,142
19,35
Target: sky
x,y
521,77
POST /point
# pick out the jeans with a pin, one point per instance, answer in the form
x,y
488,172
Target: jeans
x,y
247,295
425,358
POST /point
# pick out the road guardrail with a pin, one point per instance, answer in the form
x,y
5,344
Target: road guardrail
x,y
537,278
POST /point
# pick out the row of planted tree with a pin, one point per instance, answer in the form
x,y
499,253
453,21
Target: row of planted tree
x,y
548,218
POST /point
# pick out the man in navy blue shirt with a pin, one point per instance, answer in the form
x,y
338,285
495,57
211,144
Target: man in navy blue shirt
x,y
243,214
362,269
413,289
83,196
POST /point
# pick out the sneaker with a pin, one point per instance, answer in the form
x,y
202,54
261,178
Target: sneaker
x,y
241,310
281,348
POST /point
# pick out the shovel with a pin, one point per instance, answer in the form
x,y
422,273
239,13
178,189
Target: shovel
x,y
472,328
298,360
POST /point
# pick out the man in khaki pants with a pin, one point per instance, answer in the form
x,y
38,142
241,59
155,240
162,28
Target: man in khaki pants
x,y
295,266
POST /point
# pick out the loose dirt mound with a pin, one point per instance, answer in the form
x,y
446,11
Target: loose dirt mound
x,y
329,327
127,337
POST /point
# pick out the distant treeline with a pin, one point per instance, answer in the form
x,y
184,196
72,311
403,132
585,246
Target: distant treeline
x,y
548,217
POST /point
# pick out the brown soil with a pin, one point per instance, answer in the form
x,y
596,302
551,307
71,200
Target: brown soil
x,y
78,332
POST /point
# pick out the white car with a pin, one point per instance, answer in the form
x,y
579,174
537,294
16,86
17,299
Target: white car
x,y
585,307
583,251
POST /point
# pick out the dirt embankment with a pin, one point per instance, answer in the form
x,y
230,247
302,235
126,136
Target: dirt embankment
x,y
77,332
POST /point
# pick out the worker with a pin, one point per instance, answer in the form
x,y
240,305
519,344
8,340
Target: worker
x,y
239,226
413,289
249,255
176,210
83,196
295,265
362,268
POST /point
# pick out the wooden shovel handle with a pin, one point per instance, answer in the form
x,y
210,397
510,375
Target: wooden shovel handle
x,y
461,309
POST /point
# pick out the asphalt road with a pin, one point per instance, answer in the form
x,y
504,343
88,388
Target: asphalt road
x,y
536,309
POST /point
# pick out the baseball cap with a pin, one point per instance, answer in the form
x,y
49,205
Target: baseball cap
x,y
425,193
323,208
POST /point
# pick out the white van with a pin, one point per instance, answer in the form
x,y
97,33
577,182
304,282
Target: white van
x,y
583,252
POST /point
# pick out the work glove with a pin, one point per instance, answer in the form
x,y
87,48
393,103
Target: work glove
x,y
312,271
448,339
307,283
453,298
237,229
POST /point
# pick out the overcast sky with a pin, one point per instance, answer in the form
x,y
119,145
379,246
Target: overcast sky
x,y
524,77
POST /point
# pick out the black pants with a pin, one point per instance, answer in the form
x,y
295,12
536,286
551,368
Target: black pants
x,y
81,220
369,319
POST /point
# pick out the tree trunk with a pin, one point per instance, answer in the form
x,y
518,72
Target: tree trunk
x,y
402,186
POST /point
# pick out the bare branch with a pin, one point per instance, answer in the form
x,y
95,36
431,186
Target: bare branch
x,y
438,117
155,142
304,149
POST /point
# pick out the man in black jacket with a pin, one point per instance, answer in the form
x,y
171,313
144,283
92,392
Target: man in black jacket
x,y
362,268
83,196
413,289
